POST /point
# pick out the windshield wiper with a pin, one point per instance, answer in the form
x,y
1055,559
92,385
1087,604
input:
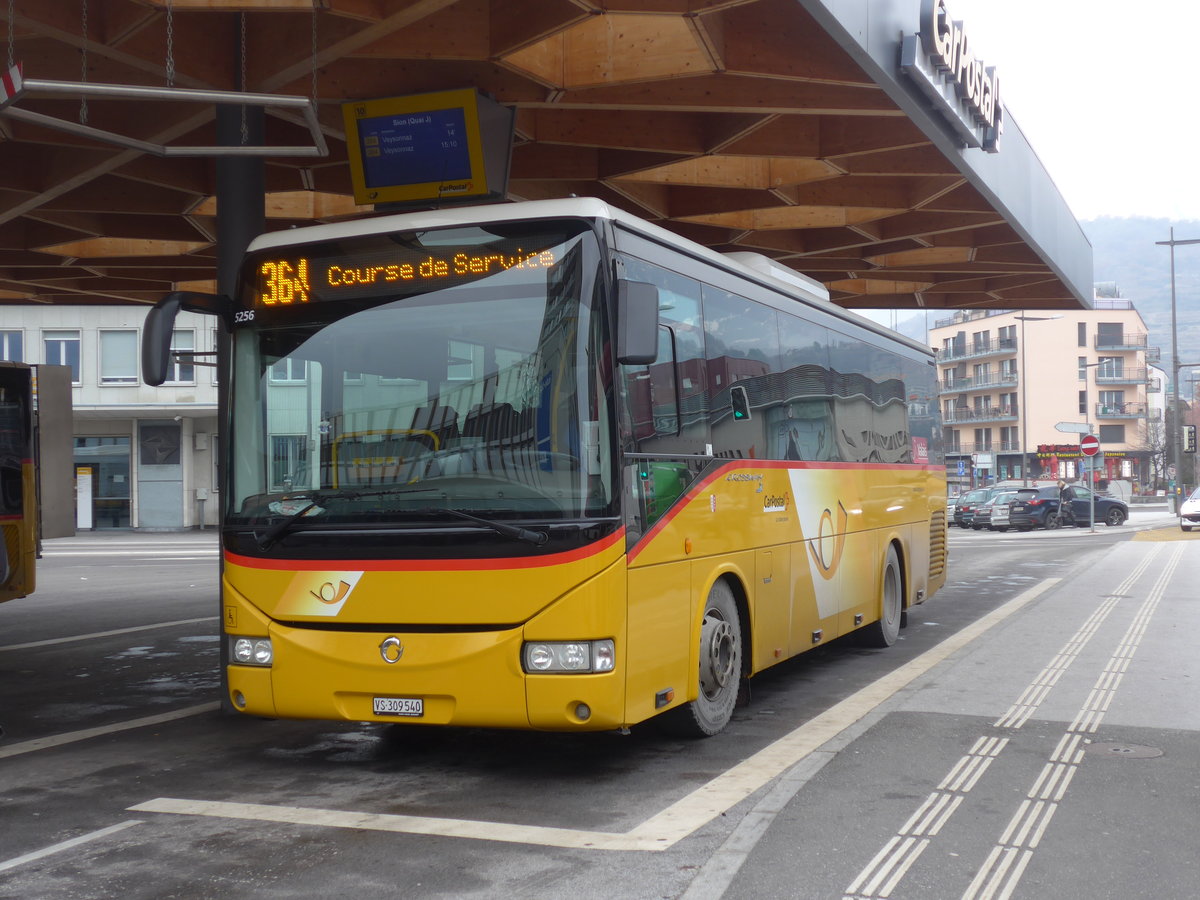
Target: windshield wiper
x,y
279,529
537,538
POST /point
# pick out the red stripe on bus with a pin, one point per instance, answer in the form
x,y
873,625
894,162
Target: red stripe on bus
x,y
425,565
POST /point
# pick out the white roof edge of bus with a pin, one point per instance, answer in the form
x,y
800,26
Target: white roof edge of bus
x,y
575,207
767,267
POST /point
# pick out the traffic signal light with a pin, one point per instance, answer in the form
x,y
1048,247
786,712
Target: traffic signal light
x,y
741,403
1189,438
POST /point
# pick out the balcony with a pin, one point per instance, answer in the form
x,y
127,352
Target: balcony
x,y
994,447
994,380
1121,410
1135,375
1125,341
978,349
965,414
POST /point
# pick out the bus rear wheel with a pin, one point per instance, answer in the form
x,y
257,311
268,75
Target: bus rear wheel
x,y
885,631
720,672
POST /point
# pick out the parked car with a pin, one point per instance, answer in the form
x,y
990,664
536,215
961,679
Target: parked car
x,y
994,514
1042,510
1189,512
1039,510
966,504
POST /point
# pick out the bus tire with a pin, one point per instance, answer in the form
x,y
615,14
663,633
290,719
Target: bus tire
x,y
720,671
885,631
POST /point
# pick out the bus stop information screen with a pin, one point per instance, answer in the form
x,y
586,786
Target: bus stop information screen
x,y
415,148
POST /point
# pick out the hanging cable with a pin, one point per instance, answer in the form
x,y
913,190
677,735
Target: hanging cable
x,y
242,86
12,27
83,105
170,44
312,56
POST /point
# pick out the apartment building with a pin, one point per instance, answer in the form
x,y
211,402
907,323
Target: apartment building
x,y
1007,380
144,457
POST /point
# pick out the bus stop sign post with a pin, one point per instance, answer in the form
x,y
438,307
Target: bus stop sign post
x,y
1089,446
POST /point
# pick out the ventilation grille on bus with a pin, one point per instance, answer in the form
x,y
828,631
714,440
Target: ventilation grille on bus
x,y
937,543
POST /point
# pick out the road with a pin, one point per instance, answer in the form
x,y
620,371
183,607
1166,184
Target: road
x,y
1034,733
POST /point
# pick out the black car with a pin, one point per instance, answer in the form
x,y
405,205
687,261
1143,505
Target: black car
x,y
1042,510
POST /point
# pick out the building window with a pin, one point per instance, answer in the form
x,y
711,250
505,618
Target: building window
x,y
1082,368
118,357
1083,410
183,371
11,346
62,349
289,458
466,360
289,370
1112,403
1112,434
1082,329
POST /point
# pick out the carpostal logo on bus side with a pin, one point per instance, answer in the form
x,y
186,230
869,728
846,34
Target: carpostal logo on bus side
x,y
777,502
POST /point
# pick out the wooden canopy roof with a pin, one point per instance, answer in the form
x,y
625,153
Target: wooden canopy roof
x,y
742,124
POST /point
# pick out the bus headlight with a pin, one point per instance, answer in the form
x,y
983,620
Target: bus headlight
x,y
569,656
252,651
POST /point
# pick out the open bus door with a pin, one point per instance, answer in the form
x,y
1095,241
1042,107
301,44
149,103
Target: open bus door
x,y
18,496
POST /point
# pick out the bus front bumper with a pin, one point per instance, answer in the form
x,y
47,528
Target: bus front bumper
x,y
449,678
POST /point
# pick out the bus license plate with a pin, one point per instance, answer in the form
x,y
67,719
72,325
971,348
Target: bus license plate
x,y
411,707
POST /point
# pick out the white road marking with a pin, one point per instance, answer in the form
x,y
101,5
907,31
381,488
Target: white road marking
x,y
965,773
103,634
58,740
155,554
996,877
67,845
671,825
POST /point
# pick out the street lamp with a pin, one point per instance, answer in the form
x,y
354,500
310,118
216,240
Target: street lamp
x,y
1087,420
1177,432
1024,378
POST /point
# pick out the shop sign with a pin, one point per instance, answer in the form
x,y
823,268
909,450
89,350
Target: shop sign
x,y
939,61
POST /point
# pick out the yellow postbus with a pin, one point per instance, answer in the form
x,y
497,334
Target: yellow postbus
x,y
545,465
18,496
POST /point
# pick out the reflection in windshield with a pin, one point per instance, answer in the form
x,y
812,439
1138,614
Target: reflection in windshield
x,y
486,396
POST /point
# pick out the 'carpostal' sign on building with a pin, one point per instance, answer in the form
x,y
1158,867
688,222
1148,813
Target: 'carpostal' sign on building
x,y
940,62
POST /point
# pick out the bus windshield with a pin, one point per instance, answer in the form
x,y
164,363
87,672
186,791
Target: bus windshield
x,y
383,379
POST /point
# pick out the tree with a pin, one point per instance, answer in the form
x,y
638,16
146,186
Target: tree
x,y
1156,445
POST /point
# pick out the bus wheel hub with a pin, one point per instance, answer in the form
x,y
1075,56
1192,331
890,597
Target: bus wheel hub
x,y
717,654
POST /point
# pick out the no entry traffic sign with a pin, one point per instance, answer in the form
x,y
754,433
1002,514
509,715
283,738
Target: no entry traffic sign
x,y
1089,445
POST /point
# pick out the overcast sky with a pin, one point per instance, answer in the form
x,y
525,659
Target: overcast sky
x,y
1105,91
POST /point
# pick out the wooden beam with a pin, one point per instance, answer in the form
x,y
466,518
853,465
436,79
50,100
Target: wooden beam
x,y
778,39
761,173
737,93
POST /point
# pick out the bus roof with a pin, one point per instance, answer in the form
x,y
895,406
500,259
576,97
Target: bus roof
x,y
753,266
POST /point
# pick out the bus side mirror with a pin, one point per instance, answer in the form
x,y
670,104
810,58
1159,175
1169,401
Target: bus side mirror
x,y
637,323
160,325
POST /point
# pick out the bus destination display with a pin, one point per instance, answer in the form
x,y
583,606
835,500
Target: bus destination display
x,y
294,280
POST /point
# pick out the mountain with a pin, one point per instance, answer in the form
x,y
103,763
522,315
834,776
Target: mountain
x,y
1126,258
1124,251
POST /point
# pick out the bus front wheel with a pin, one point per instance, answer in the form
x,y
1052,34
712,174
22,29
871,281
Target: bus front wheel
x,y
720,671
885,631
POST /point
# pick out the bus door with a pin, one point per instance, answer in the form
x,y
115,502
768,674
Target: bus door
x,y
18,501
